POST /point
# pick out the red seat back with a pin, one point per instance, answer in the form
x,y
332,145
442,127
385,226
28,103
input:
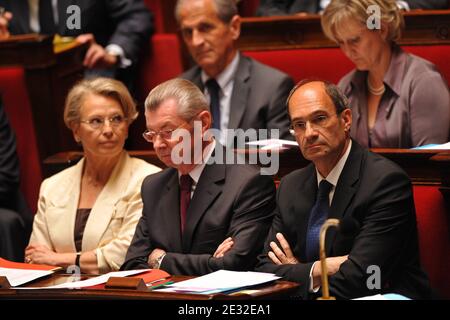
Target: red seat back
x,y
18,109
434,237
331,64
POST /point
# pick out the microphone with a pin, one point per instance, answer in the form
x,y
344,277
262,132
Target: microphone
x,y
347,227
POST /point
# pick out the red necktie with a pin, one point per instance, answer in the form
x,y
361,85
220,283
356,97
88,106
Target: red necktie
x,y
185,197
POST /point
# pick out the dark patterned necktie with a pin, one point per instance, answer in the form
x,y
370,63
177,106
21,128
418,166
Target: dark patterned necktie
x,y
214,89
185,197
319,213
46,18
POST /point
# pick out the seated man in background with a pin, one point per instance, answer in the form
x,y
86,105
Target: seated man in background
x,y
201,214
15,217
243,93
287,7
367,192
116,30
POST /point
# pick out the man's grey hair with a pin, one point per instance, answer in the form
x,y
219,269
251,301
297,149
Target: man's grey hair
x,y
190,100
225,9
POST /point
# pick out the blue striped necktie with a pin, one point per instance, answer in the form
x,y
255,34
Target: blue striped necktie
x,y
317,217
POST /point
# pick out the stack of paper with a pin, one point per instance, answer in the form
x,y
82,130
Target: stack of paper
x,y
220,281
19,273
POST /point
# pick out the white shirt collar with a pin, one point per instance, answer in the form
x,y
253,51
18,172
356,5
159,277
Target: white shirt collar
x,y
224,78
198,169
335,173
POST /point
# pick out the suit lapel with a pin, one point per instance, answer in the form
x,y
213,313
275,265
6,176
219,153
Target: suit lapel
x,y
239,96
104,208
306,194
207,190
170,212
62,210
345,191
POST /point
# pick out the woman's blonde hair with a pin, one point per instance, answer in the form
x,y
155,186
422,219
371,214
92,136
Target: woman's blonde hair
x,y
338,12
105,87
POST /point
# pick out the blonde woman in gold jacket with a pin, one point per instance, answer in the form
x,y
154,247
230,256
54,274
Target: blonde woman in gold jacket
x,y
87,214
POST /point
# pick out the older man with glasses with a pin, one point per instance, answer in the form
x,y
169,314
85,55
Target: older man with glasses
x,y
199,215
367,192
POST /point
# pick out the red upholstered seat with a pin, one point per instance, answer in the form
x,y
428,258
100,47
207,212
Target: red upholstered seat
x,y
160,63
331,64
434,237
17,106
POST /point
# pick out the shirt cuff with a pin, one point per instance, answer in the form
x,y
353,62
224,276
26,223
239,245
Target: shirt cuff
x,y
116,50
311,289
403,5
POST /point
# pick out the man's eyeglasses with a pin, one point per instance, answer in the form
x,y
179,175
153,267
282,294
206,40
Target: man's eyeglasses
x,y
316,122
150,136
98,123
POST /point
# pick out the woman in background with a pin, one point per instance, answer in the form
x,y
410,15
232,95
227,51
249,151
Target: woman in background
x,y
87,214
398,100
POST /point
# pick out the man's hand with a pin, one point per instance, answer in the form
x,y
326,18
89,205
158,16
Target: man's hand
x,y
96,56
333,265
153,258
223,248
40,254
5,18
284,255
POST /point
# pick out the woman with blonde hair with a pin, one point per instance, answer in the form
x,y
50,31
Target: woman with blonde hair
x,y
398,100
87,214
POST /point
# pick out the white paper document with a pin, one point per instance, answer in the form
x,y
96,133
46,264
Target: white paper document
x,y
220,281
270,144
444,146
17,277
92,281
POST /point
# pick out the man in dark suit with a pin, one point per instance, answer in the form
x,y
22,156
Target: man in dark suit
x,y
116,30
203,213
250,95
287,7
15,217
370,195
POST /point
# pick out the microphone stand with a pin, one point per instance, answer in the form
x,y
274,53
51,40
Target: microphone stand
x,y
323,258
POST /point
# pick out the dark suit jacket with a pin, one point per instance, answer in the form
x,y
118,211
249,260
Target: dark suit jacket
x,y
126,23
229,201
259,96
12,237
287,7
375,196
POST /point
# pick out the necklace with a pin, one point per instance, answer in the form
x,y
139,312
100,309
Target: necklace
x,y
375,91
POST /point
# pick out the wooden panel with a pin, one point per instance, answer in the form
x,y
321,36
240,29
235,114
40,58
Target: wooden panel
x,y
291,32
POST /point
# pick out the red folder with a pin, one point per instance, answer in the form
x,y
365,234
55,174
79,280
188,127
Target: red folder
x,y
26,266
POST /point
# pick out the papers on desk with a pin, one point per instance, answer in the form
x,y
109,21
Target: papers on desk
x,y
17,277
387,296
19,273
273,144
220,281
444,146
92,281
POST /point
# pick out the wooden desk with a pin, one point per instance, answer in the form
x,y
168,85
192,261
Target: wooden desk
x,y
427,27
278,289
